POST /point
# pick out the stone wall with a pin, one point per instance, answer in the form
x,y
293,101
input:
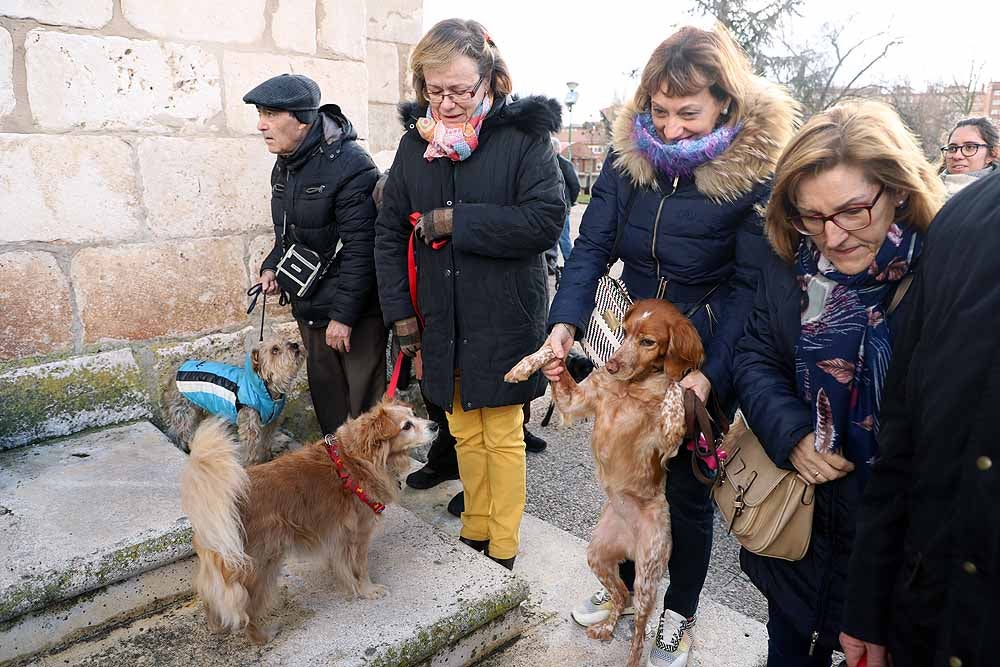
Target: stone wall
x,y
133,190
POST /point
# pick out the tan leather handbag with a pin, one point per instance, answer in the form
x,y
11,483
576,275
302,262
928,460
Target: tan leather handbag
x,y
768,509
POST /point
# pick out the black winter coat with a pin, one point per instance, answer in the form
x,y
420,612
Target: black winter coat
x,y
928,576
699,234
810,592
323,191
483,296
570,180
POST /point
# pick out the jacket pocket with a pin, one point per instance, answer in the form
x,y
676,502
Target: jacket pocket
x,y
520,293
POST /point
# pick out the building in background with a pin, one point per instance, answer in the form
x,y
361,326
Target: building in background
x,y
987,102
590,147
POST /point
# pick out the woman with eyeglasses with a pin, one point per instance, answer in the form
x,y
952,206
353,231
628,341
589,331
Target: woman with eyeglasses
x,y
853,197
690,166
973,151
475,179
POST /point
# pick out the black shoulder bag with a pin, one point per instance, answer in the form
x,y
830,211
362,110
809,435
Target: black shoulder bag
x,y
300,268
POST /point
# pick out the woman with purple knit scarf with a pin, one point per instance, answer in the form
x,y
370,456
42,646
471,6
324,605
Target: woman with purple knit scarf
x,y
690,167
852,199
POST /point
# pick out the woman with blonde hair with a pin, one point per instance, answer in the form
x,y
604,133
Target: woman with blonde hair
x,y
475,179
853,197
692,155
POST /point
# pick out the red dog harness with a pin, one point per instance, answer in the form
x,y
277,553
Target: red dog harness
x,y
349,483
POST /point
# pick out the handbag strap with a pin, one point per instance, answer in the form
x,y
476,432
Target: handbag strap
x,y
699,423
897,296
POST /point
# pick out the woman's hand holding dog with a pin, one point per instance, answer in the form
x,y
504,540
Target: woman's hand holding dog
x,y
269,282
818,467
699,383
560,340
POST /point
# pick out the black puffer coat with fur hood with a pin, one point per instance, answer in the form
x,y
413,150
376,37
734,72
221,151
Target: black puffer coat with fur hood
x,y
700,237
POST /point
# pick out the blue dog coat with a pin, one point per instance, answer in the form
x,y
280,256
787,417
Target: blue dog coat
x,y
221,389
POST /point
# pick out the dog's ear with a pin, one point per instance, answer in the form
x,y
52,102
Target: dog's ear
x,y
685,351
385,426
376,429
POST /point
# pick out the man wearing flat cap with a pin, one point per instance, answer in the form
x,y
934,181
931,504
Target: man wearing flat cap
x,y
321,188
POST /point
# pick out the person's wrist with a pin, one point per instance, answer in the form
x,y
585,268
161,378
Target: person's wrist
x,y
569,328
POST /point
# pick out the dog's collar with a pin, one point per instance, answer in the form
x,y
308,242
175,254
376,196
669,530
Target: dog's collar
x,y
345,478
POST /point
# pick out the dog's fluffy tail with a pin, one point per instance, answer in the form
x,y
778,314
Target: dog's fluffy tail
x,y
213,485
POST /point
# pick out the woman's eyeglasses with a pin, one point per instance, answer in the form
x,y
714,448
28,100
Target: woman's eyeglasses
x,y
457,97
968,150
850,219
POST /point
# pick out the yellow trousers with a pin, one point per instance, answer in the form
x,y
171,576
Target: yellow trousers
x,y
490,449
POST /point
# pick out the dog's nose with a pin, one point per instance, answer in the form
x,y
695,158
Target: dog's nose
x,y
434,428
613,365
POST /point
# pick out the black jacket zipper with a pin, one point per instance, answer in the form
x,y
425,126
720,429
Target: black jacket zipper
x,y
824,597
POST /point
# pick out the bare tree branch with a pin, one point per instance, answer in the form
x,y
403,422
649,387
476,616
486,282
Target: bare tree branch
x,y
861,72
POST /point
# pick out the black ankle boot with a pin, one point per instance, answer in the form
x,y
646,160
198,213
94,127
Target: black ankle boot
x,y
479,545
506,562
427,478
532,442
457,504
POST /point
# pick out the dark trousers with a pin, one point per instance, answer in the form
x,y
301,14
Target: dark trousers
x,y
441,456
342,384
691,513
787,648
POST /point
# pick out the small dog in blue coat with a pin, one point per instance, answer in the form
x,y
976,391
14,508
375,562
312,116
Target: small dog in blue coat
x,y
251,397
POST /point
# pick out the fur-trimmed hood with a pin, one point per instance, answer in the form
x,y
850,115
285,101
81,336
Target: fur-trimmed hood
x,y
770,119
535,114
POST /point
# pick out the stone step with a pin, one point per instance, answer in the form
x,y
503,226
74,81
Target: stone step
x,y
554,563
447,606
88,515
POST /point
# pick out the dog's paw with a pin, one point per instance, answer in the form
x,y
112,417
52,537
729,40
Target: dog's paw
x,y
373,592
522,371
259,635
525,368
603,631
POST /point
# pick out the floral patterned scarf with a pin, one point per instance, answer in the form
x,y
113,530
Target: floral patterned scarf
x,y
845,344
680,158
455,143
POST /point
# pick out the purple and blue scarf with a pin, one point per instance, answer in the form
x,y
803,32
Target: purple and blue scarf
x,y
680,158
845,344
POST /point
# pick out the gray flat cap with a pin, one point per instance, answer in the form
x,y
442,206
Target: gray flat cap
x,y
290,92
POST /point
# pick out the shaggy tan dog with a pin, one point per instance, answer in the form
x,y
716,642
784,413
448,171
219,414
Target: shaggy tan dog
x,y
276,362
246,521
638,410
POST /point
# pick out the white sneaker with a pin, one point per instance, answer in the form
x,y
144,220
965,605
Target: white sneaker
x,y
597,608
672,647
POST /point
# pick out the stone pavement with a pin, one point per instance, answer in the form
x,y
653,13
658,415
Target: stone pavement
x,y
554,564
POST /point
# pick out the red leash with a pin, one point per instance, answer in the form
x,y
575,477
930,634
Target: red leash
x,y
411,271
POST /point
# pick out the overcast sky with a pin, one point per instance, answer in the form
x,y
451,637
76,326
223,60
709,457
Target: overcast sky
x,y
548,43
